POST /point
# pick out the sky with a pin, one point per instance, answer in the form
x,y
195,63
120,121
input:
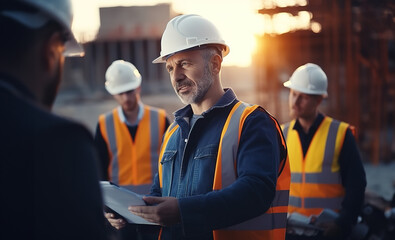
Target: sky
x,y
237,20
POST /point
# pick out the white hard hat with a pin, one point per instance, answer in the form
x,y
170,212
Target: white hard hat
x,y
309,79
187,31
122,76
58,10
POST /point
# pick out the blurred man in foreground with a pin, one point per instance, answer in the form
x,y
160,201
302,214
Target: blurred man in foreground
x,y
48,173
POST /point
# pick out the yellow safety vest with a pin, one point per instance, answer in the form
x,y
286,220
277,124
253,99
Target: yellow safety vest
x,y
315,178
133,163
272,224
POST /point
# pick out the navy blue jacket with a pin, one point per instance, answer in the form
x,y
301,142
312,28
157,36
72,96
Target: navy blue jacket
x,y
189,164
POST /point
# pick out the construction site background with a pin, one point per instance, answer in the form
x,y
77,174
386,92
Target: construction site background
x,y
355,47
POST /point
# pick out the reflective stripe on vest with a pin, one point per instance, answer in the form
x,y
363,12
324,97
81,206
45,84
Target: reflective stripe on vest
x,y
315,178
332,203
270,225
133,162
169,132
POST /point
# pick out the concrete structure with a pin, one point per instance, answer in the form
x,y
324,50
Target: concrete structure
x,y
129,33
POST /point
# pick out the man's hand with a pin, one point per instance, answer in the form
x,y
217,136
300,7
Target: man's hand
x,y
118,223
163,210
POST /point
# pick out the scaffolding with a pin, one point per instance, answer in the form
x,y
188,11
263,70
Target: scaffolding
x,y
356,49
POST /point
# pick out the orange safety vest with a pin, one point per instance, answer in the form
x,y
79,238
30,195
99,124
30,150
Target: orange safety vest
x,y
272,224
315,178
133,163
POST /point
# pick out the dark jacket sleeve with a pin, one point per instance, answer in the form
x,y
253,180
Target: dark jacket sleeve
x,y
104,156
354,181
68,197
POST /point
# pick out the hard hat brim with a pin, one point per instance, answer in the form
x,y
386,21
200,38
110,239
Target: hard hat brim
x,y
123,88
162,59
73,48
39,19
288,84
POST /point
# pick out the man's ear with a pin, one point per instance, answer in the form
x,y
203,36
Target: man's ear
x,y
138,89
319,99
52,50
216,63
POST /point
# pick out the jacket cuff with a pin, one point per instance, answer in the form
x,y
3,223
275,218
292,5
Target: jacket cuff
x,y
193,220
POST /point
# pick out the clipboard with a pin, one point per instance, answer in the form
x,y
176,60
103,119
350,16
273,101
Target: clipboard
x,y
119,199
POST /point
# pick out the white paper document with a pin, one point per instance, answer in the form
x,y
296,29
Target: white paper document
x,y
119,199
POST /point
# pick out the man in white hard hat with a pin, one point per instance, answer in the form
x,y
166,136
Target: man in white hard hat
x,y
326,168
223,172
48,171
129,137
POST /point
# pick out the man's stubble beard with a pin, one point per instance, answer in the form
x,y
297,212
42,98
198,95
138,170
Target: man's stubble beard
x,y
197,94
51,90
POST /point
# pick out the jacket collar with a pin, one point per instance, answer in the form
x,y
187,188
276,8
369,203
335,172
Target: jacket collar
x,y
15,87
228,98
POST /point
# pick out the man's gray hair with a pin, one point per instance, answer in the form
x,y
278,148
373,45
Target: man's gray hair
x,y
210,51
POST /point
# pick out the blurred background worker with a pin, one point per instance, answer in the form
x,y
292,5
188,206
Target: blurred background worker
x,y
326,168
48,171
129,137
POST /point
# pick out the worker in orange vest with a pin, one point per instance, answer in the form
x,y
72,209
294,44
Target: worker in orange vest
x,y
223,168
326,168
129,137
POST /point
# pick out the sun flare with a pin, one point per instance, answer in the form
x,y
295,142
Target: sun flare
x,y
238,20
